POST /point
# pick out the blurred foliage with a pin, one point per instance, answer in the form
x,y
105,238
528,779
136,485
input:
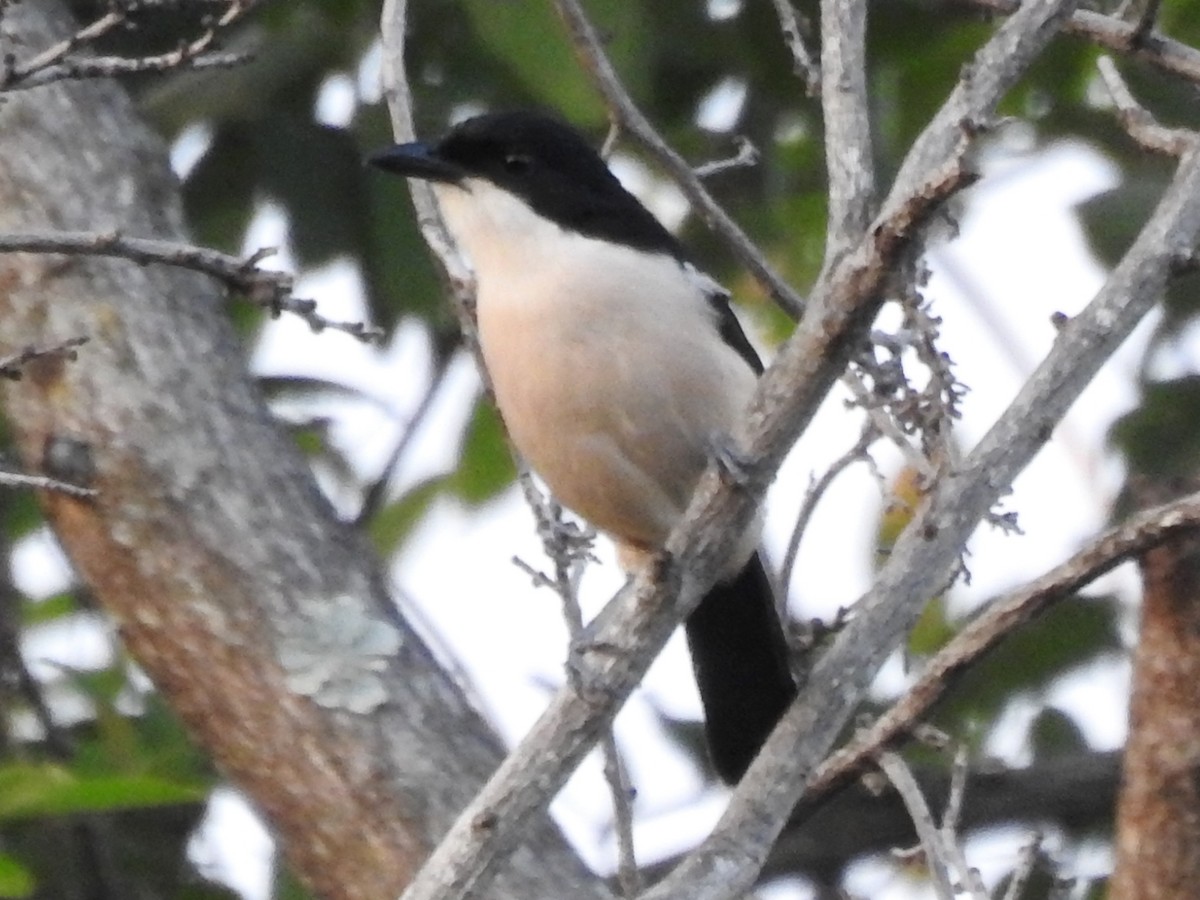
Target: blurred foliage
x,y
125,769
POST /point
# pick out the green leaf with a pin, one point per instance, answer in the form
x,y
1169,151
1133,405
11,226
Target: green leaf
x,y
932,630
393,523
39,612
15,880
485,467
527,37
1160,437
37,790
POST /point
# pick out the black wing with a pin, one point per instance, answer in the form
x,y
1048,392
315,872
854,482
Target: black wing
x,y
727,322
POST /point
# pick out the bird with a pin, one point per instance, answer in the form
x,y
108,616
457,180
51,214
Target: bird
x,y
617,366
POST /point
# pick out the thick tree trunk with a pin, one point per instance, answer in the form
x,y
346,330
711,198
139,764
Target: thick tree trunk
x,y
208,541
1158,811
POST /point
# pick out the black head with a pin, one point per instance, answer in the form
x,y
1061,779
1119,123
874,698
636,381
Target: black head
x,y
546,163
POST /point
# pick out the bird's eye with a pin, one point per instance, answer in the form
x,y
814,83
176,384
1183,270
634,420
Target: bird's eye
x,y
517,163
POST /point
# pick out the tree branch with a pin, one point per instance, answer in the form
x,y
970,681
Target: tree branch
x,y
635,626
626,115
848,157
1113,33
58,62
208,541
1137,121
267,288
803,62
936,853
1001,617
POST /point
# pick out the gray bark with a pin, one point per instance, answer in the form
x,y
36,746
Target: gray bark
x,y
208,541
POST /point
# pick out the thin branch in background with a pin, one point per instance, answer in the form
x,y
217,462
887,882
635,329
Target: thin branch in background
x,y
1137,121
12,366
60,61
999,619
569,548
625,116
951,842
816,490
804,64
1143,14
272,290
375,493
747,155
624,112
958,789
906,786
1117,35
42,483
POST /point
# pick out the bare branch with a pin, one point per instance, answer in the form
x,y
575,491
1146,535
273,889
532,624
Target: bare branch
x,y
816,490
906,786
42,483
848,156
804,64
1119,36
452,266
636,624
625,113
59,62
1143,14
1137,121
269,289
374,496
1004,615
747,155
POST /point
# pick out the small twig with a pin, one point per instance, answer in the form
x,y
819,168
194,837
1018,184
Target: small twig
x,y
1112,33
57,63
1026,864
569,548
958,789
906,786
968,874
1137,121
267,288
1143,14
816,490
804,64
625,113
747,155
375,493
12,366
42,483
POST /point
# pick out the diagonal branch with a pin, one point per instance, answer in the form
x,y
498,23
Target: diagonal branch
x,y
1120,36
1003,616
626,115
635,626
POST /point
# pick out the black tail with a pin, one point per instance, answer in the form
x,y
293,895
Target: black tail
x,y
740,657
